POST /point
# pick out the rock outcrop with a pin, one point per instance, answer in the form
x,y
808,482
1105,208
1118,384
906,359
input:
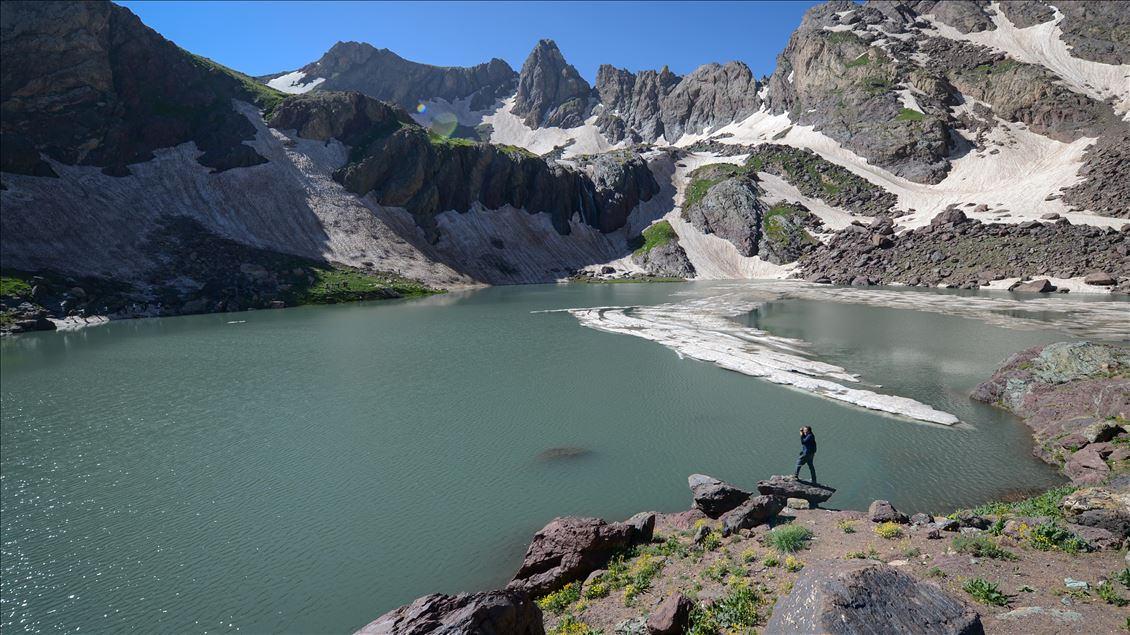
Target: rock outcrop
x,y
855,597
1106,508
89,84
792,487
715,497
757,510
507,611
384,75
551,93
960,252
568,549
1061,390
882,511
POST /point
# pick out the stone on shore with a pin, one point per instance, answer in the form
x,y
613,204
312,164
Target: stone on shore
x,y
865,597
715,497
671,617
1099,507
882,511
643,526
921,519
755,511
568,549
1036,286
792,487
1100,278
503,611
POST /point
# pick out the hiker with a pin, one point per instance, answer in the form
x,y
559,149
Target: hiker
x,y
807,451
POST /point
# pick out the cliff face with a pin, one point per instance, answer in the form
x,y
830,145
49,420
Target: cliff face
x,y
403,165
88,84
384,75
651,105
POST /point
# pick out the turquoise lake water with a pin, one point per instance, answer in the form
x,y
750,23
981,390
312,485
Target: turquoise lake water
x,y
308,469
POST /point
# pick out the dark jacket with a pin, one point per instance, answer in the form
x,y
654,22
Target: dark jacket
x,y
808,444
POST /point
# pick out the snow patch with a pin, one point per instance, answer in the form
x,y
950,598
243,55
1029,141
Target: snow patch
x,y
293,83
509,129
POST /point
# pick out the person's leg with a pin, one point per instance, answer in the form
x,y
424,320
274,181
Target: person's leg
x,y
812,467
799,462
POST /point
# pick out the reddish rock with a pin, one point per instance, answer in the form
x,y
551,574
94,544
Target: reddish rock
x,y
671,617
1036,286
715,497
1086,467
568,549
882,511
755,511
1100,278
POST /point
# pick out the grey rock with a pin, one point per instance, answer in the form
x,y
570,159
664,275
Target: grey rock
x,y
1100,278
1026,612
551,93
921,519
643,527
882,511
714,497
855,596
791,487
731,210
1104,508
753,512
486,613
1036,286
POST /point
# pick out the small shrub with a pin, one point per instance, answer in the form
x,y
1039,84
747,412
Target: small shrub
x,y
981,547
911,552
734,612
985,592
855,555
771,560
790,538
1123,577
935,572
749,555
712,541
1107,593
717,570
560,599
670,547
792,564
1048,536
888,530
596,591
1046,504
570,625
846,526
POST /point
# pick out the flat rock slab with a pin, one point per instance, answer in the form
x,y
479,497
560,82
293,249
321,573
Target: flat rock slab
x,y
792,487
869,597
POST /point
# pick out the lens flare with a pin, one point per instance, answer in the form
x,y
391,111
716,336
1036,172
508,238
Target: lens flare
x,y
421,108
443,124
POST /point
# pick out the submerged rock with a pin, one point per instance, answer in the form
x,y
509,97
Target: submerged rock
x,y
858,597
715,497
505,611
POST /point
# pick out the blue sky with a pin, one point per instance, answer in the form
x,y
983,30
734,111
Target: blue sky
x,y
264,37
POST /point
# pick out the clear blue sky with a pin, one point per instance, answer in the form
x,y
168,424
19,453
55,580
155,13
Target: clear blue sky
x,y
265,37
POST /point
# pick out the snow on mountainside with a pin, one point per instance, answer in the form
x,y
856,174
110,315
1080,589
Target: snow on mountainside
x,y
879,118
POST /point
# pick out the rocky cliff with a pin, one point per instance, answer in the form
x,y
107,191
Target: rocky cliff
x,y
550,91
384,75
89,84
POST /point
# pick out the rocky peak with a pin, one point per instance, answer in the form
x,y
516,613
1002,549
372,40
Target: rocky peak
x,y
551,93
382,74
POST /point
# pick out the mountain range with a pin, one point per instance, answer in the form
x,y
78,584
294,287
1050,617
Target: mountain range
x,y
958,143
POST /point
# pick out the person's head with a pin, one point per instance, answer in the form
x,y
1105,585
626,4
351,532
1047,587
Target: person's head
x,y
806,430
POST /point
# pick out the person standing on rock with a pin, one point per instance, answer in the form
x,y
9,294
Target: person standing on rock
x,y
807,452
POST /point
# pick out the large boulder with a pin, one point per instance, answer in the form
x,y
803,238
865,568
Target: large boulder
x,y
882,511
755,511
868,597
1086,467
792,487
504,612
568,549
1099,507
715,497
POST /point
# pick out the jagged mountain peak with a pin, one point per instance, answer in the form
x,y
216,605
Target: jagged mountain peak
x,y
551,93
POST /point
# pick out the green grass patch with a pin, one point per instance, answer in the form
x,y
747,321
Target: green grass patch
x,y
570,625
862,60
261,95
517,151
334,285
909,114
1050,536
13,286
985,592
1045,504
1107,593
888,530
875,84
789,538
841,37
981,547
633,575
440,140
706,177
735,612
656,235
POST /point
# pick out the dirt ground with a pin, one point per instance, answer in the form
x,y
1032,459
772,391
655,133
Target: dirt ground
x,y
1035,579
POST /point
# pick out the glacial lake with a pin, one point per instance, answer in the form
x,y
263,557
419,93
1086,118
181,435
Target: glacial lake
x,y
308,469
